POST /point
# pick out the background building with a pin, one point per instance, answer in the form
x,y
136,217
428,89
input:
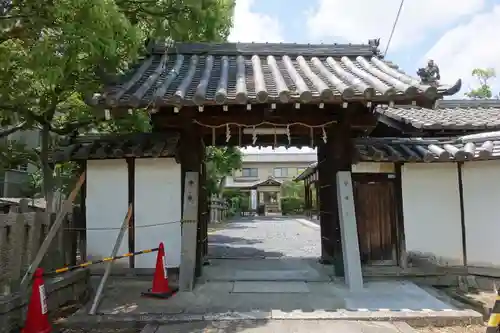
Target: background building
x,y
14,183
265,172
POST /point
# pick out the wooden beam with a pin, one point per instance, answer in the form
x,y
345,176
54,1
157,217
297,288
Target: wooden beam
x,y
398,125
308,114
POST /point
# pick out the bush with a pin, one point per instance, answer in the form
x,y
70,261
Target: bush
x,y
292,205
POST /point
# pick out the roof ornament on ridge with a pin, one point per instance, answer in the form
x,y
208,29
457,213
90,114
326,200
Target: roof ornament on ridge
x,y
374,44
429,74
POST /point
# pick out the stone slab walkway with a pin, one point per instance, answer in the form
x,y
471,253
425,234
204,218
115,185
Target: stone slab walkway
x,y
281,326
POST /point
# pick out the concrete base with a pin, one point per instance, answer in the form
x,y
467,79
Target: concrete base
x,y
296,295
282,326
270,287
415,319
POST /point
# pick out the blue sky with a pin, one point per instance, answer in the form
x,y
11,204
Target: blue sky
x,y
456,34
459,35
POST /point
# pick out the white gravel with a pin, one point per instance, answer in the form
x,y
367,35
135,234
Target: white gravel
x,y
259,237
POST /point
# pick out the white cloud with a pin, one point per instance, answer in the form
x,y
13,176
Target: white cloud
x,y
468,46
251,26
360,20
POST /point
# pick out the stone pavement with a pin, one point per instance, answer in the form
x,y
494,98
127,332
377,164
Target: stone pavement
x,y
268,236
282,326
241,286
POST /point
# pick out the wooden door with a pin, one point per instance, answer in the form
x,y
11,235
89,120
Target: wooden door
x,y
376,214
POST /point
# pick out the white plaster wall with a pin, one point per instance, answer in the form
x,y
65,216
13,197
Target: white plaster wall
x,y
481,188
158,200
431,208
106,206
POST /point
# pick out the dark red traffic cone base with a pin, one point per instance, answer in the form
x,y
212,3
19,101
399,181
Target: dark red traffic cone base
x,y
160,288
37,319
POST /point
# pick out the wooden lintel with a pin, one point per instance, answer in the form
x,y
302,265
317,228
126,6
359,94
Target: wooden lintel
x,y
307,114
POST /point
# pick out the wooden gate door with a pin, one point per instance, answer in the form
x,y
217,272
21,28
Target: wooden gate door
x,y
376,214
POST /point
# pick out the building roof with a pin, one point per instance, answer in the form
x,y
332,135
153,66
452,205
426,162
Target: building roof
x,y
466,148
241,73
94,147
448,115
279,157
268,182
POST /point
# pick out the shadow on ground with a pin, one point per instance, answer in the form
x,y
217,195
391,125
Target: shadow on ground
x,y
222,251
222,246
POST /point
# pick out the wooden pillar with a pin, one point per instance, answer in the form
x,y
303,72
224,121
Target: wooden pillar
x,y
326,211
310,195
316,190
306,198
202,213
333,156
190,154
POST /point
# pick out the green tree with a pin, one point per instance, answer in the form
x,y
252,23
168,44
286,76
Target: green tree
x,y
56,54
293,189
484,77
220,163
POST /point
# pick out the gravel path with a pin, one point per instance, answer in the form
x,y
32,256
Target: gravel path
x,y
259,237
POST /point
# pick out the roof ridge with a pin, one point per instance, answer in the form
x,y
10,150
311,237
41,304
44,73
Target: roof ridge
x,y
335,49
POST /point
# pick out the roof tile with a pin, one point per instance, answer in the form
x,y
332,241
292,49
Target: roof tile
x,y
117,146
421,150
453,114
205,74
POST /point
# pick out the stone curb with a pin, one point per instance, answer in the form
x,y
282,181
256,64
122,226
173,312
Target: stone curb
x,y
414,318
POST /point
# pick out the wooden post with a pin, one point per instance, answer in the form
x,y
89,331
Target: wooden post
x,y
109,264
189,231
52,232
327,205
333,156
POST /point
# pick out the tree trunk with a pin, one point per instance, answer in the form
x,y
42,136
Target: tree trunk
x,y
48,179
220,186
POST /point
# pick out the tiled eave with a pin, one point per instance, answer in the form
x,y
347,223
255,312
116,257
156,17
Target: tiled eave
x,y
420,151
226,74
254,185
447,115
95,147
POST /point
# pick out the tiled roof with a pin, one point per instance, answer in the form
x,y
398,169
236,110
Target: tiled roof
x,y
448,114
268,182
422,150
219,74
117,146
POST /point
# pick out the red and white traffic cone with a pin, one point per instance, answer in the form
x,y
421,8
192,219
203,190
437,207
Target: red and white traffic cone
x,y
160,288
37,319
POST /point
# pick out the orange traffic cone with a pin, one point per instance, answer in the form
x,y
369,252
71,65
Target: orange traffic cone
x,y
37,319
160,288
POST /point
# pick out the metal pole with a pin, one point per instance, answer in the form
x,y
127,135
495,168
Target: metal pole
x,y
118,242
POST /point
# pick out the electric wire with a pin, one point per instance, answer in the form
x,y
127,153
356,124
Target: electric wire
x,y
394,27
